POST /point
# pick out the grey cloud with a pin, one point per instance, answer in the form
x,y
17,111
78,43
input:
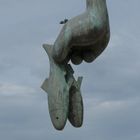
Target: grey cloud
x,y
110,87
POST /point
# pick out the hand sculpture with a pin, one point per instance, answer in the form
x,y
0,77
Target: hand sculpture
x,y
84,37
81,38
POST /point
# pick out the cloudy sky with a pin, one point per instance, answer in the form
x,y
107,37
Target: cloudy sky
x,y
111,86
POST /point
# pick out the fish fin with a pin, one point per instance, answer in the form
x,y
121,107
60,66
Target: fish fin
x,y
45,85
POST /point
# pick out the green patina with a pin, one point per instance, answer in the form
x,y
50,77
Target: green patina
x,y
83,37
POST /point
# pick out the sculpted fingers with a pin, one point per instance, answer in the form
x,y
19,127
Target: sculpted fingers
x,y
61,46
59,53
76,58
88,56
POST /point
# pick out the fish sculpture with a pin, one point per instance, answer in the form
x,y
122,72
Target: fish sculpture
x,y
64,95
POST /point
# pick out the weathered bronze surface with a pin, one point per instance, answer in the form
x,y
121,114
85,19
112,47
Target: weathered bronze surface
x,y
83,37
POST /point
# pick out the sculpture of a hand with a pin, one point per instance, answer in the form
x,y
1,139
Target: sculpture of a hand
x,y
84,37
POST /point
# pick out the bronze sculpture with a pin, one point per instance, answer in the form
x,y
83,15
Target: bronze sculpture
x,y
83,37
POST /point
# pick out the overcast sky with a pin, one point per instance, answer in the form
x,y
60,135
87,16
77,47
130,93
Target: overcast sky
x,y
111,85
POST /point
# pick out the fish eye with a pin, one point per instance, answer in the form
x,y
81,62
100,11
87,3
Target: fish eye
x,y
57,118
